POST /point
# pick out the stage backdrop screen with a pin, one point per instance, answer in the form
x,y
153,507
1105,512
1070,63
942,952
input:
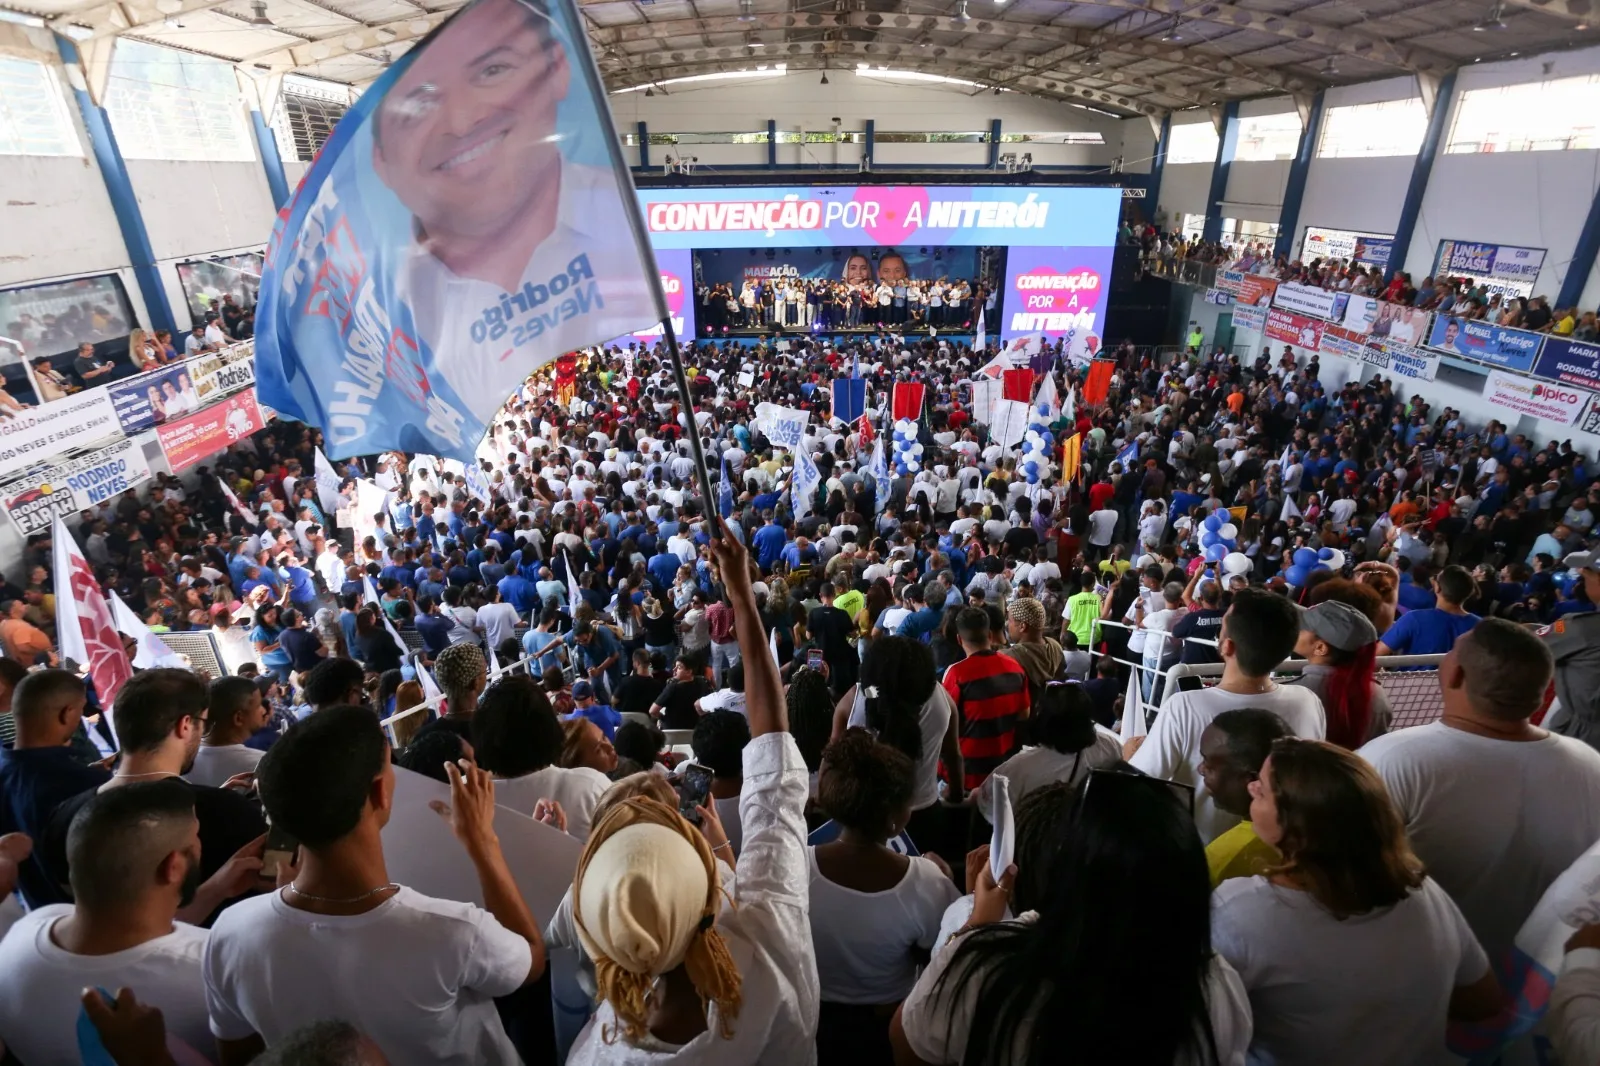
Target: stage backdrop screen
x,y
1060,238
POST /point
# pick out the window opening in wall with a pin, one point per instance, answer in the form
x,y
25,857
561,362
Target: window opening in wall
x,y
1085,137
1264,137
1391,127
206,281
310,122
167,104
33,111
1543,116
57,316
1193,226
1194,142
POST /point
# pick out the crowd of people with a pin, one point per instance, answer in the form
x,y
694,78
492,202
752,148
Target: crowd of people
x,y
858,300
776,724
1460,297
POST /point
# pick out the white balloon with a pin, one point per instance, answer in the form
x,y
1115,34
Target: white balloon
x,y
916,449
1336,560
1228,531
1237,563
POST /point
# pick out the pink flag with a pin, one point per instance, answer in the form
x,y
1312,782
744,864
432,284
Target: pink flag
x,y
85,630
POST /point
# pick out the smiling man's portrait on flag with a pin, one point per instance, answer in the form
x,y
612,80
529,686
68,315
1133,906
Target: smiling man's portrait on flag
x,y
467,223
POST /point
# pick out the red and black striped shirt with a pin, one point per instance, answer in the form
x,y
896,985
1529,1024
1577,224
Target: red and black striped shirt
x,y
991,693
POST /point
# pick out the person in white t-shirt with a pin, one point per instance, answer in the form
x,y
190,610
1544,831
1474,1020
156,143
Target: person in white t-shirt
x,y
1158,643
517,737
1122,903
1350,952
498,619
416,974
873,910
236,713
1496,807
1258,632
134,854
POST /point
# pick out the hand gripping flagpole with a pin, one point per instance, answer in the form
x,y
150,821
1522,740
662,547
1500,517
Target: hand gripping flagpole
x,y
641,240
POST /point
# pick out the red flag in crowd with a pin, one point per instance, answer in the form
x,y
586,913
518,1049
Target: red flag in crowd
x,y
1018,385
85,631
908,400
867,434
1098,382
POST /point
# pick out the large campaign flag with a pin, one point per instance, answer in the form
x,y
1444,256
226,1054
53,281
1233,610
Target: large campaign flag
x,y
85,630
470,219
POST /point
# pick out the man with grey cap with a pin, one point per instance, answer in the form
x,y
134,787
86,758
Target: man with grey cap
x,y
1574,642
1339,644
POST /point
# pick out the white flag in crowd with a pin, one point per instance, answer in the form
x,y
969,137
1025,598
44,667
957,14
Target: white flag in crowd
x,y
238,506
1133,717
85,630
803,489
150,651
328,481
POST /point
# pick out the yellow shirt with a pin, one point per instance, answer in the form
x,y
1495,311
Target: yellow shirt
x,y
1566,325
1239,853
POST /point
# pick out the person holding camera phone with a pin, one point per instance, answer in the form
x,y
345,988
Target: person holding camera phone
x,y
679,974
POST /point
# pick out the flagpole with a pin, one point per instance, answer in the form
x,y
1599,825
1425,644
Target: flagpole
x,y
586,68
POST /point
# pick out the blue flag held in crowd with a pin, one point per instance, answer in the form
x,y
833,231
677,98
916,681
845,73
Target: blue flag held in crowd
x,y
470,220
849,398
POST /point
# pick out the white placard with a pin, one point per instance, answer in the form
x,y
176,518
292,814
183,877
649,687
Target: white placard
x,y
1305,300
66,487
34,435
1541,399
421,852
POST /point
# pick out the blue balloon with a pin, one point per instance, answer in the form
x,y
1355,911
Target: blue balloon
x,y
1325,554
1232,545
1217,552
1214,522
1296,575
1033,476
1209,539
1305,557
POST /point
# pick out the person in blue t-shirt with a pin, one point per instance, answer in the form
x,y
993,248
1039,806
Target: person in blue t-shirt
x,y
768,542
601,714
433,626
542,641
1433,630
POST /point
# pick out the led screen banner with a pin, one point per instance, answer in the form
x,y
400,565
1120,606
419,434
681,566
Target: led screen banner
x,y
1057,292
1060,239
880,215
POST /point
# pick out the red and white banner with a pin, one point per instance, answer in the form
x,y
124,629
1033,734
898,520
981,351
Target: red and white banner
x,y
1291,328
85,630
190,439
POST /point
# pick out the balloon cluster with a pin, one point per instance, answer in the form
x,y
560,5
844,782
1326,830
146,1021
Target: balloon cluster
x,y
1219,544
1306,561
1035,462
907,452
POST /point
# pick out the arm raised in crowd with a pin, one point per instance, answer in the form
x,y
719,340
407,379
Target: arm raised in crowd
x,y
763,693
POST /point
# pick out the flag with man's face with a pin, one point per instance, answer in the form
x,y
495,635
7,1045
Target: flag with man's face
x,y
470,219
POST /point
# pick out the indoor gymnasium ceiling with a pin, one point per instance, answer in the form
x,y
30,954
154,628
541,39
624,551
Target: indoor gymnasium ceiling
x,y
1124,56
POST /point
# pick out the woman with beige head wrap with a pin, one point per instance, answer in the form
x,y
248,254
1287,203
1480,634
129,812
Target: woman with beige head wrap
x,y
682,976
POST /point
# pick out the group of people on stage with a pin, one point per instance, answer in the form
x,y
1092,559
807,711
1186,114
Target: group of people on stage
x,y
855,301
